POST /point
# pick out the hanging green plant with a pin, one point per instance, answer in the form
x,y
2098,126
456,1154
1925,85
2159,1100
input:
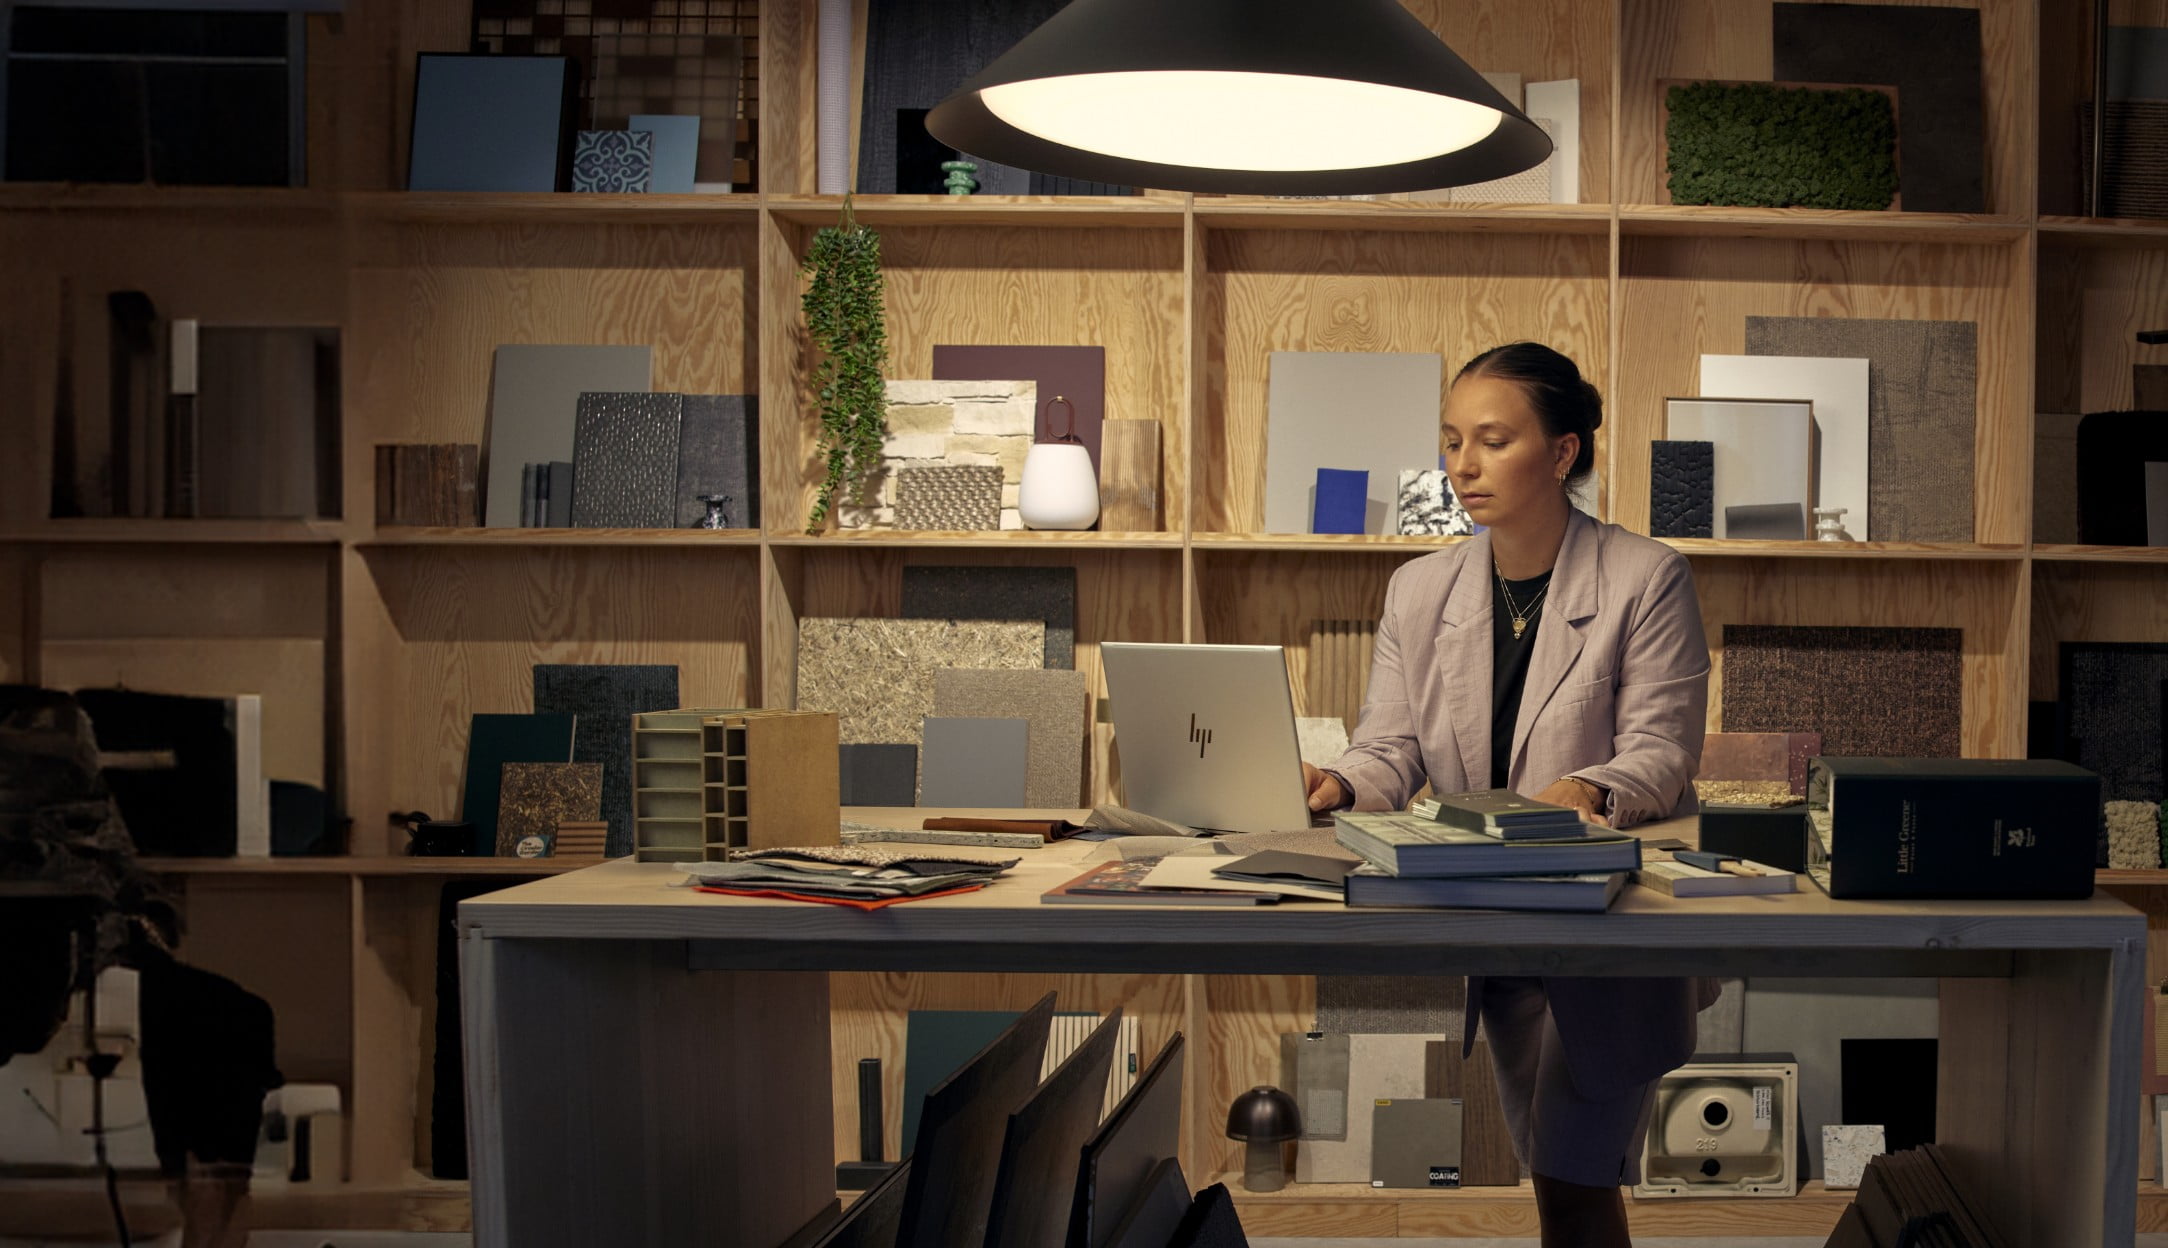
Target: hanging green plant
x,y
843,313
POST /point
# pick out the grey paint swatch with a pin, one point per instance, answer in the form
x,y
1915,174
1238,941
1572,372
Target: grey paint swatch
x,y
625,461
1922,401
989,593
1932,57
1371,410
1837,681
605,697
492,123
974,762
2111,703
1053,703
534,409
719,454
878,775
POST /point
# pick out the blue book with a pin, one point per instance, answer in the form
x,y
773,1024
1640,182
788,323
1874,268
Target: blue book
x,y
1341,499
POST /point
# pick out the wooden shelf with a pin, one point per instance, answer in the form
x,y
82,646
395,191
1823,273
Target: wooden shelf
x,y
1310,543
1255,213
1819,223
2116,877
551,207
1115,211
1011,539
1733,549
2105,231
372,866
1359,1210
251,202
133,531
560,537
2100,554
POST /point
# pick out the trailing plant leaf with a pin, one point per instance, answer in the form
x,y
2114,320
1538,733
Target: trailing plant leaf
x,y
843,313
1757,145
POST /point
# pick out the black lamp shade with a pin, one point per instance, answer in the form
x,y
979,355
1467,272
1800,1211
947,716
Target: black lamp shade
x,y
1273,97
1264,1115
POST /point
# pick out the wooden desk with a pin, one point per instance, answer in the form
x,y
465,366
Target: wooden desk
x,y
648,1064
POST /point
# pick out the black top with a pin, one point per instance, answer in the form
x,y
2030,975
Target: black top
x,y
1509,664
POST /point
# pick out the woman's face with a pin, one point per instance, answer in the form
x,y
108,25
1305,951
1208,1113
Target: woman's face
x,y
1503,466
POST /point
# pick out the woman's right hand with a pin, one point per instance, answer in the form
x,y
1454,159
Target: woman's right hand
x,y
1323,787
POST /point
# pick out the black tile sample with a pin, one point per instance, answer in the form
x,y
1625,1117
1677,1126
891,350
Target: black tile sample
x,y
1682,489
2112,713
878,775
1932,57
957,1152
493,741
605,697
1037,1175
995,593
1890,1083
625,461
719,454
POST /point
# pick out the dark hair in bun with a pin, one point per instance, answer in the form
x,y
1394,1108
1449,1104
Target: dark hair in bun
x,y
1553,385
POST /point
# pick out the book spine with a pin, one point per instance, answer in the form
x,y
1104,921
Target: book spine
x,y
560,495
528,492
467,486
410,486
180,431
387,472
444,486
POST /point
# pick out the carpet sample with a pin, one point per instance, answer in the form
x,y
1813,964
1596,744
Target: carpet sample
x,y
2111,701
935,592
1053,702
1837,682
1391,1005
603,698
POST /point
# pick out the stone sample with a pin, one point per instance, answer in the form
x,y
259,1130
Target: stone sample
x,y
936,424
877,674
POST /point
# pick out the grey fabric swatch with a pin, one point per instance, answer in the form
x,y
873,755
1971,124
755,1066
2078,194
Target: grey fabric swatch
x,y
1922,404
1682,489
1421,1005
604,697
719,453
1313,1070
1932,57
992,593
878,775
2111,703
973,762
625,461
1053,703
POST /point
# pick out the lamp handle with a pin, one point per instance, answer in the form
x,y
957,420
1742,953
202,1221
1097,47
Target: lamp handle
x,y
1068,432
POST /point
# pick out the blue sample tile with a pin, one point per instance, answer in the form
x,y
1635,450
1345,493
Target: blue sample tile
x,y
1338,504
677,150
492,123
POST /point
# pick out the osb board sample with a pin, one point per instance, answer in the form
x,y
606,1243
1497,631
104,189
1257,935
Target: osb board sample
x,y
878,675
533,798
1839,682
1053,705
998,593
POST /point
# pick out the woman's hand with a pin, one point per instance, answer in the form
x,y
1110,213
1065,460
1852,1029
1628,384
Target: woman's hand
x,y
1579,795
1323,787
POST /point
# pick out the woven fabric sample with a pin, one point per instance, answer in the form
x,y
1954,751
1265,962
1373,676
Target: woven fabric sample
x,y
878,775
719,456
1428,506
1391,1005
963,497
2112,711
613,161
1921,407
1052,702
877,675
535,797
937,592
1932,57
1838,682
2134,180
603,698
1682,489
1339,668
625,461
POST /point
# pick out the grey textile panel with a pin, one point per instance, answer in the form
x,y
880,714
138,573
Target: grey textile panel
x,y
625,461
603,698
974,763
1053,703
1314,1070
878,775
1811,1018
719,453
994,593
1837,681
1922,405
534,407
1426,1005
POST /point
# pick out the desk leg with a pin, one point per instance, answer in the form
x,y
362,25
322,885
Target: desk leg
x,y
615,1096
2037,1104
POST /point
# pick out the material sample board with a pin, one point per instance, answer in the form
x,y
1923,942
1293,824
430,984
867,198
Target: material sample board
x,y
973,763
534,409
533,798
1078,374
1048,595
1053,702
495,740
1370,410
605,697
1415,1142
1838,682
625,460
719,454
878,674
1838,389
1378,1067
1314,1070
492,123
1764,450
1682,489
878,775
2111,700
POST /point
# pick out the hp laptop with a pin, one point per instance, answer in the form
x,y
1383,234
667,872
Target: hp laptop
x,y
1207,735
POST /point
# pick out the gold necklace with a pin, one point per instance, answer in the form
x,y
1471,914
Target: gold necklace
x,y
1520,615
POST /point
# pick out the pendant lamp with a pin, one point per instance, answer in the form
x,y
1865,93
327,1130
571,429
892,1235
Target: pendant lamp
x,y
1271,97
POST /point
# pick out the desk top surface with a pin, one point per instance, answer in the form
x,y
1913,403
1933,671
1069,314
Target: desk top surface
x,y
624,900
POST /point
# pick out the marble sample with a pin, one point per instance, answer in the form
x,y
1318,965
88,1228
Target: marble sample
x,y
534,798
959,497
603,698
1321,739
613,161
1682,489
877,674
942,423
1428,506
1837,681
2112,695
942,592
1053,702
1846,1150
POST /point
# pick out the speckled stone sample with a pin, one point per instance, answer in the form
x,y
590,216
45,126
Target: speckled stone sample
x,y
2133,835
1048,595
1053,704
1838,682
1846,1150
534,797
877,674
1746,793
1428,507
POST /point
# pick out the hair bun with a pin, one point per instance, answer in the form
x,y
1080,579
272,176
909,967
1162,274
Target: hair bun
x,y
1595,404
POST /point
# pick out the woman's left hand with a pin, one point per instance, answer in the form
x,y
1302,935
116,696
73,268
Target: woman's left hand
x,y
1579,796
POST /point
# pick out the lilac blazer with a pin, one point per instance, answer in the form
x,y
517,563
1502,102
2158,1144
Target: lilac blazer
x,y
1617,693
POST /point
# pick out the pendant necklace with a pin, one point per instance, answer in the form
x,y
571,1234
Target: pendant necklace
x,y
1520,614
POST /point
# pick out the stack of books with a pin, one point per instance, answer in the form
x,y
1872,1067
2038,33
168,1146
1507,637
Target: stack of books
x,y
1486,851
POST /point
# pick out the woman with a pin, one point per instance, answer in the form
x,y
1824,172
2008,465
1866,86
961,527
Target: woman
x,y
1587,640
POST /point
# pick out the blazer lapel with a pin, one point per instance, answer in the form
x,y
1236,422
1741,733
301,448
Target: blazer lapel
x,y
1463,649
1569,606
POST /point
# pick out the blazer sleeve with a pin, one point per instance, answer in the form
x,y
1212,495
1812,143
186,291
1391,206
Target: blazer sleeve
x,y
1662,703
1383,765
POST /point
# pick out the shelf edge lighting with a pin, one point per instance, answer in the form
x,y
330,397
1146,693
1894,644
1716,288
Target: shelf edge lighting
x,y
1267,97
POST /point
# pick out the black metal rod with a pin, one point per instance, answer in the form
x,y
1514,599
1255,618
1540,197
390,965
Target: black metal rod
x,y
869,1109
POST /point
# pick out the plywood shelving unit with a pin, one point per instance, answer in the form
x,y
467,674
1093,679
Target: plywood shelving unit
x,y
416,629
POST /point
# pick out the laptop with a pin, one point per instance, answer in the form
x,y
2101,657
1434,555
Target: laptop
x,y
1207,735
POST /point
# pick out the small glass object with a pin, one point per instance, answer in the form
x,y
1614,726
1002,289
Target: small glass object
x,y
718,516
1829,525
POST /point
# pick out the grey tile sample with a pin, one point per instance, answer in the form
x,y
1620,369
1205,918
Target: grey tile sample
x,y
1682,489
492,123
1932,57
534,408
1837,681
1370,410
719,454
1314,1070
974,763
1052,702
1429,1005
1922,406
2111,706
934,592
877,674
1415,1142
878,775
625,460
676,150
605,697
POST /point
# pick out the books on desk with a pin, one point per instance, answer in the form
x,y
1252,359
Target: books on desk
x,y
1122,884
1504,814
1678,879
1405,844
1590,893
